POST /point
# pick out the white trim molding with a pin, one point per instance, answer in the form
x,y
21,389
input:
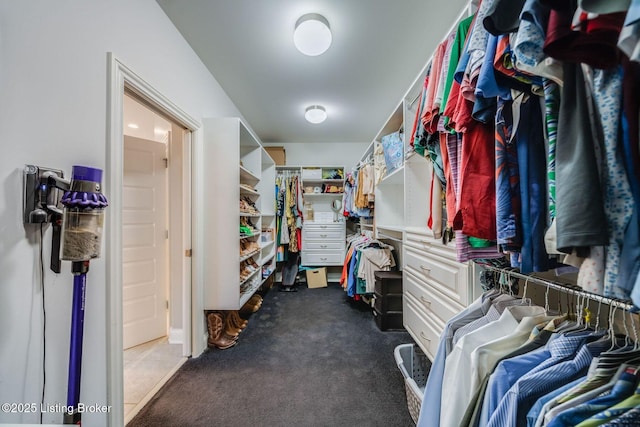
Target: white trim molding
x,y
176,336
119,77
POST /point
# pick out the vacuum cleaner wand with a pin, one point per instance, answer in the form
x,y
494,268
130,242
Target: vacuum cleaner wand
x,y
82,224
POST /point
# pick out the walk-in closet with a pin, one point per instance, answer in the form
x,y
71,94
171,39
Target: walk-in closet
x,y
331,213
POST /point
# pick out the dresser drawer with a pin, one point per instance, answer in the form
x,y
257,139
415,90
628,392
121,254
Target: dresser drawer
x,y
323,227
447,276
313,245
323,235
427,244
424,332
430,300
322,258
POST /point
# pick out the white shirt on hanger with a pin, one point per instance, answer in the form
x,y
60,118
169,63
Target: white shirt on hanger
x,y
456,386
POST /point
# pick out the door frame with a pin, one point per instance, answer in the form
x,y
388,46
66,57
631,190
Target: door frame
x,y
119,77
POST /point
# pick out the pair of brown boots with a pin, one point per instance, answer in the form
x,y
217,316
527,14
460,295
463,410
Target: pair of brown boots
x,y
224,328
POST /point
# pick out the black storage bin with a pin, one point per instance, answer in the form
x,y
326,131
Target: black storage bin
x,y
388,282
385,303
390,321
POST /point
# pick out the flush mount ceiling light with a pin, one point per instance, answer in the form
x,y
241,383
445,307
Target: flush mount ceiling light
x,y
315,114
312,35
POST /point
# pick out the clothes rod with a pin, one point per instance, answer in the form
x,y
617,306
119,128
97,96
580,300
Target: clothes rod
x,y
567,288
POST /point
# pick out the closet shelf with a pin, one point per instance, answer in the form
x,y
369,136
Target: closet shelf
x,y
268,214
268,259
244,190
255,215
394,178
247,176
322,181
248,293
409,154
396,228
246,257
253,235
266,244
258,270
322,194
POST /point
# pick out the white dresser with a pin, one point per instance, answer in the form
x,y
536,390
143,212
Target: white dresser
x,y
436,287
323,244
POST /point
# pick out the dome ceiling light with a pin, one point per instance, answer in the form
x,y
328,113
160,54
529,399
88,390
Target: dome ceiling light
x,y
315,114
312,35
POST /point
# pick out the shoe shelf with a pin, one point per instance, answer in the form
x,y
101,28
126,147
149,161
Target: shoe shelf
x,y
257,233
252,254
246,176
266,244
252,274
248,191
246,295
242,171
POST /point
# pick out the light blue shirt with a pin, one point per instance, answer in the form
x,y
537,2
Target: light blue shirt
x,y
430,410
509,371
515,404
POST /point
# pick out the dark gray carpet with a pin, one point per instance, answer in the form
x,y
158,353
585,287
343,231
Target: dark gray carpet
x,y
309,358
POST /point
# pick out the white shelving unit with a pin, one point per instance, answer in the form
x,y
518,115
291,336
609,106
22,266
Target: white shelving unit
x,y
239,167
323,240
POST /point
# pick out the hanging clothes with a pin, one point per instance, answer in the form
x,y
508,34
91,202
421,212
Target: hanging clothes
x,y
518,366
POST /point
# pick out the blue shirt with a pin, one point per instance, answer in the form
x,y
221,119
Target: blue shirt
x,y
622,389
509,371
536,409
516,403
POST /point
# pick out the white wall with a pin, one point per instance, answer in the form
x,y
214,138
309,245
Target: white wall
x,y
346,154
53,100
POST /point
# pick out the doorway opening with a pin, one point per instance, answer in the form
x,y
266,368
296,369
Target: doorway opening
x,y
153,271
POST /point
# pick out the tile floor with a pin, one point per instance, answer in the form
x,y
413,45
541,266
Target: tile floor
x,y
146,368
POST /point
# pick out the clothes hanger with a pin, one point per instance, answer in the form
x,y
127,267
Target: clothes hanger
x,y
598,316
635,332
612,335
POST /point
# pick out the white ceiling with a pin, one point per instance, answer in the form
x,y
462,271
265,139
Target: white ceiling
x,y
379,48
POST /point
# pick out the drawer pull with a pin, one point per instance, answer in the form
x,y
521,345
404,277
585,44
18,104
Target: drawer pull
x,y
424,337
323,259
323,235
425,301
323,226
323,246
425,268
425,244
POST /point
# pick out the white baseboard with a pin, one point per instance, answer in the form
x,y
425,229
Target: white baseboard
x,y
176,336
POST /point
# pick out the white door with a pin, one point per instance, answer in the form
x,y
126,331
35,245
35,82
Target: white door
x,y
144,241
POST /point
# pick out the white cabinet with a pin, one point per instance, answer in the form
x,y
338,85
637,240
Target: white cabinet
x,y
323,244
436,286
239,209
